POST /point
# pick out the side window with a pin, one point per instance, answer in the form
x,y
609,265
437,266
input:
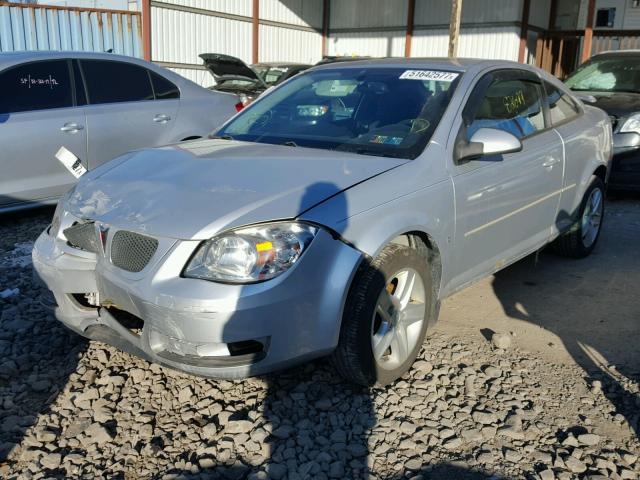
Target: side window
x,y
36,86
510,104
163,88
561,106
113,82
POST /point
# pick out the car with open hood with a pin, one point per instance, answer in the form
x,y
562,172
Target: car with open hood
x,y
232,75
611,81
330,217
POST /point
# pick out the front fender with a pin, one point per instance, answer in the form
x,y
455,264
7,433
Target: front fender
x,y
429,210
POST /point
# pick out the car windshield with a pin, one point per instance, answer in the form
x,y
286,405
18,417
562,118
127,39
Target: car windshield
x,y
239,84
389,112
270,75
612,74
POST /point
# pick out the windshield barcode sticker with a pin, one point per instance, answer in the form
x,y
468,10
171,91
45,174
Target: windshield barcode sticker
x,y
428,75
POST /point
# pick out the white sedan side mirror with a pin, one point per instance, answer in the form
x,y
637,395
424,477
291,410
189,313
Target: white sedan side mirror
x,y
488,142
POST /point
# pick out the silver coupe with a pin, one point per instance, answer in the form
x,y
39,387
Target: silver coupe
x,y
330,217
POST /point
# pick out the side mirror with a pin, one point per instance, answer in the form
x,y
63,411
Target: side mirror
x,y
487,142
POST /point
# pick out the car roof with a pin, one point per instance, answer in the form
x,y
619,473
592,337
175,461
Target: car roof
x,y
616,53
28,55
442,63
280,64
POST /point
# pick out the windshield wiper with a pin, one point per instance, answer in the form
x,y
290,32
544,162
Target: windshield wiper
x,y
220,137
290,143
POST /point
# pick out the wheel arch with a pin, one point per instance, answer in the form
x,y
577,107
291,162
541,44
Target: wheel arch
x,y
601,173
428,247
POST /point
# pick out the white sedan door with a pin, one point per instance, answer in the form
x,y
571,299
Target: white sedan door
x,y
129,107
37,117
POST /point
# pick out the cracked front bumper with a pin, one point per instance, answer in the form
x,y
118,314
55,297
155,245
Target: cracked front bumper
x,y
201,327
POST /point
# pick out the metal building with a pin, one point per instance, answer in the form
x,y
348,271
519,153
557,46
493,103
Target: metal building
x,y
553,34
180,30
47,27
305,30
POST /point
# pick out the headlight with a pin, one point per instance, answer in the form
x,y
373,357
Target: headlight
x,y
251,254
631,124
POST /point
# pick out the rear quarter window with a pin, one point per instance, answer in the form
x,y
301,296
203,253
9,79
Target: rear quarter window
x,y
163,88
561,106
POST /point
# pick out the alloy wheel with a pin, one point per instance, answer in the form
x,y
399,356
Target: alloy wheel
x,y
398,319
592,217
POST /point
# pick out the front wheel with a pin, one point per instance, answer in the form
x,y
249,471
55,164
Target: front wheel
x,y
385,318
583,235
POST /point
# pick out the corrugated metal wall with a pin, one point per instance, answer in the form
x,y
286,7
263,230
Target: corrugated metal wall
x,y
368,13
290,30
373,28
490,28
367,43
476,42
438,12
38,27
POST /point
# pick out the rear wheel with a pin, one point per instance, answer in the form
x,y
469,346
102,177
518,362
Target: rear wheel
x,y
583,235
385,318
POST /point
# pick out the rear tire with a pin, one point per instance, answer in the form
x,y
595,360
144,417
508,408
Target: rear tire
x,y
385,318
583,235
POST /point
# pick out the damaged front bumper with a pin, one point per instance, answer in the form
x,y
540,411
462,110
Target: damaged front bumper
x,y
197,326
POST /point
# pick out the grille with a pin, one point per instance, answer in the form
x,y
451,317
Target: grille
x,y
83,236
132,251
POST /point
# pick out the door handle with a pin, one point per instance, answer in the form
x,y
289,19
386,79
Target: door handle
x,y
71,128
161,118
550,162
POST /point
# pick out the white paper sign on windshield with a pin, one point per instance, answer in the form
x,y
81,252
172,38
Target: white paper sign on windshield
x,y
69,160
438,75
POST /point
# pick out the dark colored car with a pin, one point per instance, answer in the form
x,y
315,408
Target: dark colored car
x,y
232,75
611,81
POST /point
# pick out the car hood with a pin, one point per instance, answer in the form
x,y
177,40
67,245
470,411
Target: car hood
x,y
618,104
195,189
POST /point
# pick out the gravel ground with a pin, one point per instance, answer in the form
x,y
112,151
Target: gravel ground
x,y
470,408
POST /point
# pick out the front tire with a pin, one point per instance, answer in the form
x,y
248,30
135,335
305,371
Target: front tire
x,y
386,317
583,235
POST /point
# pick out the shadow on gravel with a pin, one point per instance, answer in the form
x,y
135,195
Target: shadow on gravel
x,y
591,305
319,427
37,354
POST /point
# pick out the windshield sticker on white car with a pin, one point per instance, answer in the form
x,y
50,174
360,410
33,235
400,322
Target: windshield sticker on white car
x,y
428,75
385,140
71,162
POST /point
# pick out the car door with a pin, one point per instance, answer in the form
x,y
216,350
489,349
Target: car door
x,y
565,116
37,117
124,112
506,204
